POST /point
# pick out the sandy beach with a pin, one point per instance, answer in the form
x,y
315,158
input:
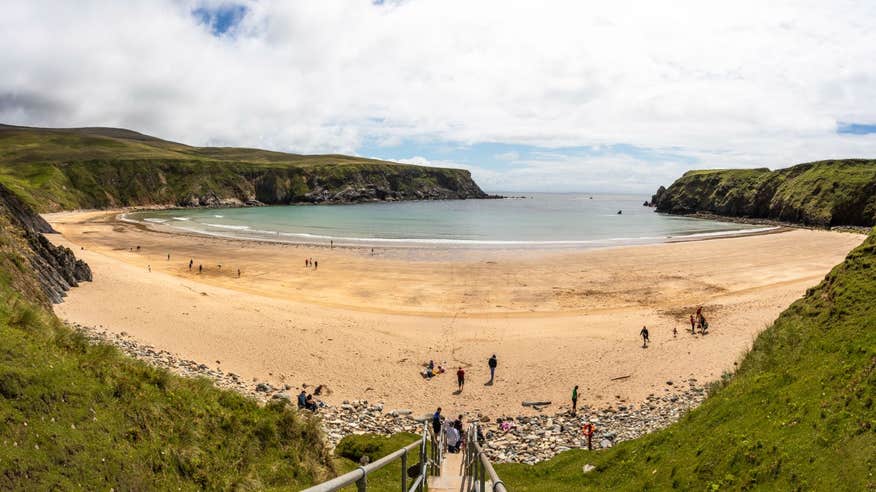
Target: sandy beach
x,y
363,323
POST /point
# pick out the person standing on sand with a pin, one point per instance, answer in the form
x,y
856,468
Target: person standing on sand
x,y
238,273
492,363
436,422
460,378
168,256
693,325
644,334
200,268
315,264
191,262
575,400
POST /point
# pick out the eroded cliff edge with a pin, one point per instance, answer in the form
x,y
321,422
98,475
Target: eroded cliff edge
x,y
822,194
55,267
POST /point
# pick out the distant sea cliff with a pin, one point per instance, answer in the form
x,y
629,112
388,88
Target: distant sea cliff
x,y
62,169
821,194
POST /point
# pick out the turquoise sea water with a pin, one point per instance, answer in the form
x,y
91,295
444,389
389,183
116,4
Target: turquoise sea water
x,y
539,220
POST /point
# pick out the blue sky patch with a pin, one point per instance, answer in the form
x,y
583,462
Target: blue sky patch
x,y
220,19
855,128
499,156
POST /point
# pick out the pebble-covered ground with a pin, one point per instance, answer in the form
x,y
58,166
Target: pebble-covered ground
x,y
529,439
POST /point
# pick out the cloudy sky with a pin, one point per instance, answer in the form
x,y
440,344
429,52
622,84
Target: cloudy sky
x,y
540,95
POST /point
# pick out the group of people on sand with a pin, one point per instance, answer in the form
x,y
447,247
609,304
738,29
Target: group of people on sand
x,y
310,262
191,263
697,322
430,370
306,401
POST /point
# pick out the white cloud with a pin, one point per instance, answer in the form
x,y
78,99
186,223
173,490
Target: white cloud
x,y
734,84
565,173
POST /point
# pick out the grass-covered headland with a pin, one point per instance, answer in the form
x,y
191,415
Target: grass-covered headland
x,y
823,194
75,416
62,169
798,414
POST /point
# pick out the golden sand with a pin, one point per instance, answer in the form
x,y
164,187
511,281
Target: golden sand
x,y
363,324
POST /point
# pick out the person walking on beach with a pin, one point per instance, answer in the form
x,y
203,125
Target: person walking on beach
x,y
644,334
168,256
575,400
315,264
436,421
306,263
201,268
460,378
191,262
693,325
238,273
492,363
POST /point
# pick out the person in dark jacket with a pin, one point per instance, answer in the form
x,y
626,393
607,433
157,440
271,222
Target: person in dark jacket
x,y
492,363
436,422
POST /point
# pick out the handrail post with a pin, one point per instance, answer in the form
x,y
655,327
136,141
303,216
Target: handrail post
x,y
423,464
362,483
404,471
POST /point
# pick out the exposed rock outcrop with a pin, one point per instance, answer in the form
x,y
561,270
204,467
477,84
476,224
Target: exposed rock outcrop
x,y
822,194
56,267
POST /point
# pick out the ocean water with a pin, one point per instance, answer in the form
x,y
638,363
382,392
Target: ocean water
x,y
539,220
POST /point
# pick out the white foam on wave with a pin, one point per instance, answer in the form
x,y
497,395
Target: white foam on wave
x,y
246,233
497,242
226,226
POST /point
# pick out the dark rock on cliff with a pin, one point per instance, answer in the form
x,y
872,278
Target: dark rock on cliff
x,y
56,267
822,194
656,197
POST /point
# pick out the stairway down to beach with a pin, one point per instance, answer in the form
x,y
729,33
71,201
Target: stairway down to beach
x,y
450,479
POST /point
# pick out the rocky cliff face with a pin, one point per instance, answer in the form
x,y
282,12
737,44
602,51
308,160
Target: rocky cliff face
x,y
56,267
198,184
823,194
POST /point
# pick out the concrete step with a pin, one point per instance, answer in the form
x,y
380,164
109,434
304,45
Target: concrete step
x,y
451,475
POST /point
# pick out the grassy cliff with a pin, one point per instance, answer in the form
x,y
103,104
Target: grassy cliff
x,y
81,416
56,169
798,414
824,193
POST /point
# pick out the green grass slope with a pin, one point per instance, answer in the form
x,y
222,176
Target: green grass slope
x,y
798,415
80,416
57,169
824,193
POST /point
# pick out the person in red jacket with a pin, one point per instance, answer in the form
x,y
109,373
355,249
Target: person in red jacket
x,y
460,378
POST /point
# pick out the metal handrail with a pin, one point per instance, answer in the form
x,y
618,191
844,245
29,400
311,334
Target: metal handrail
x,y
477,467
359,476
